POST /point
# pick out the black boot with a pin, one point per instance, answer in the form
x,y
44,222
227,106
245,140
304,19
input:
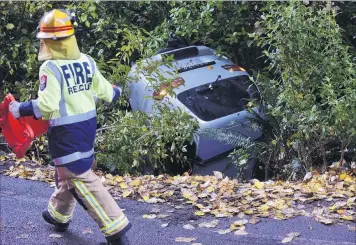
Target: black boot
x,y
121,240
60,227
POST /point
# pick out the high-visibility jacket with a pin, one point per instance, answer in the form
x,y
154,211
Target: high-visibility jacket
x,y
65,99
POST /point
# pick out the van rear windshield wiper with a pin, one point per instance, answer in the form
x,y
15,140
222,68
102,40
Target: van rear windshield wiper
x,y
211,86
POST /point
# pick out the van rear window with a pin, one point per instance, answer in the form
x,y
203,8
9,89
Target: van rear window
x,y
218,99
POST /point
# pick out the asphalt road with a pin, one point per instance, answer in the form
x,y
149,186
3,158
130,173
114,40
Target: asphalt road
x,y
22,202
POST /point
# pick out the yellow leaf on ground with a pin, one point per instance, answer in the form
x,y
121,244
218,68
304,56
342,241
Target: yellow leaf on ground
x,y
347,217
135,183
146,197
263,208
248,211
259,185
119,179
109,176
342,176
238,224
199,213
149,216
123,185
126,193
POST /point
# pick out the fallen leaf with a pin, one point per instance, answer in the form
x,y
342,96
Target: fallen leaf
x,y
240,233
290,237
135,183
323,220
259,185
119,179
149,216
211,224
185,239
238,224
155,211
188,227
347,217
218,174
223,232
123,185
263,208
351,228
254,220
162,216
126,193
199,213
55,236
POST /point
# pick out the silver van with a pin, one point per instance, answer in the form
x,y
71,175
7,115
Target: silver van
x,y
210,88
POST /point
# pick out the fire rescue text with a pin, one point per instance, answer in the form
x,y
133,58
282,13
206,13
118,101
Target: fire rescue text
x,y
79,74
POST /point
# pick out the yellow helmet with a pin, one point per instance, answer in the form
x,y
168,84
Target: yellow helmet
x,y
56,24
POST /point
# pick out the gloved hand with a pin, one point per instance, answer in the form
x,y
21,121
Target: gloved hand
x,y
14,108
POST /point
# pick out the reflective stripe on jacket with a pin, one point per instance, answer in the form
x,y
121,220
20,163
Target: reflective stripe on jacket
x,y
65,99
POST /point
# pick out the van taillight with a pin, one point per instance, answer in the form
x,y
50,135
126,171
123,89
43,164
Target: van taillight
x,y
164,88
233,68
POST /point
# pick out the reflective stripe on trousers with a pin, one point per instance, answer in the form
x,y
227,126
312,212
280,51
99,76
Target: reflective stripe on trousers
x,y
58,216
93,202
110,226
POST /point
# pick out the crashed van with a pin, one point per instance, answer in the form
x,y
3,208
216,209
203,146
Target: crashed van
x,y
210,88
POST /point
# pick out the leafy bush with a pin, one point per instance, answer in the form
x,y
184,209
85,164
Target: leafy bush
x,y
136,141
310,99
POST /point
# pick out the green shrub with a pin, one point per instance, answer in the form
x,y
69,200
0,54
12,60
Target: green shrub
x,y
134,141
309,92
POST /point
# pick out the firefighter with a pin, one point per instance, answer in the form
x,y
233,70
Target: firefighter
x,y
67,81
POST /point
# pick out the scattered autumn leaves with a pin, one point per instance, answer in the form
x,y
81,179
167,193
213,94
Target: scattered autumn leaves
x,y
328,198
